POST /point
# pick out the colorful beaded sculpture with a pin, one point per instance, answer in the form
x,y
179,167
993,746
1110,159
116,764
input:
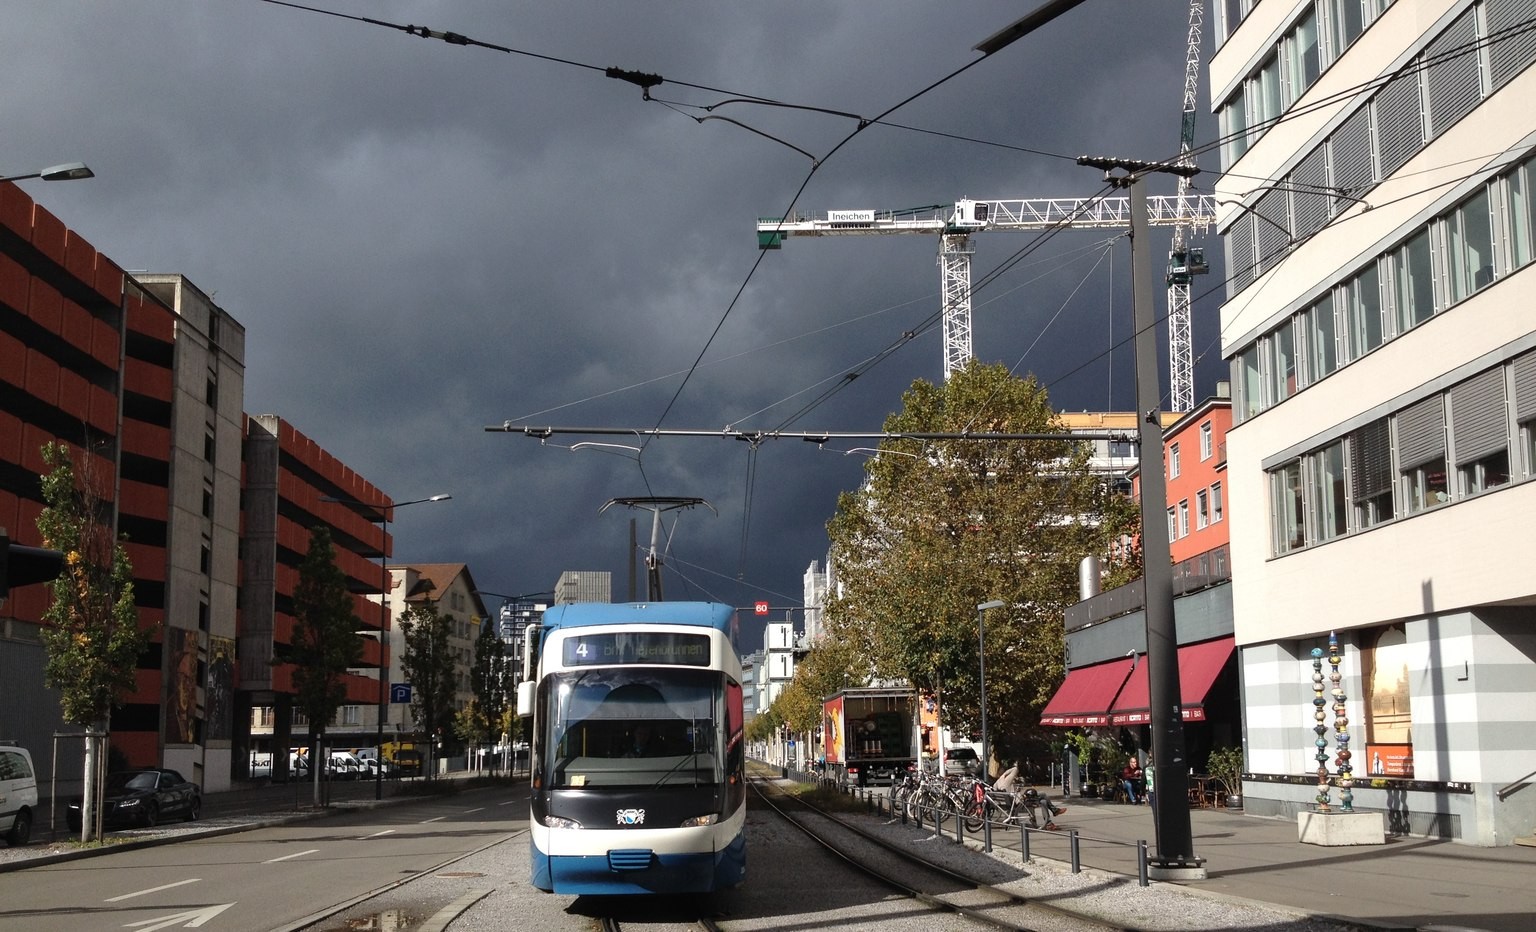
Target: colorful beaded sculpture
x,y
1320,716
1341,728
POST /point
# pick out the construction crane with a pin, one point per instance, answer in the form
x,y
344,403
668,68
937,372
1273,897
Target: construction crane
x,y
1184,261
955,224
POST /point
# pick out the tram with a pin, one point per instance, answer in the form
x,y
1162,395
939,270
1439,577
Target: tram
x,y
637,753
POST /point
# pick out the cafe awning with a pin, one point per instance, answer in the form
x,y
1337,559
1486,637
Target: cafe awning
x,y
1199,666
1085,696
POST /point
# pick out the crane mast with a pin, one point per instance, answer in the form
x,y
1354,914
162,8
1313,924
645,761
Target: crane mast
x,y
955,225
1184,261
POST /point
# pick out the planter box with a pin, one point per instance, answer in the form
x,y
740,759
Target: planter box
x,y
1336,829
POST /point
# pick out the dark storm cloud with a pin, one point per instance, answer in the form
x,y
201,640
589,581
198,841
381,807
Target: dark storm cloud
x,y
423,239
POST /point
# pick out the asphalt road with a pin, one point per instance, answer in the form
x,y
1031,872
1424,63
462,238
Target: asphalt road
x,y
263,879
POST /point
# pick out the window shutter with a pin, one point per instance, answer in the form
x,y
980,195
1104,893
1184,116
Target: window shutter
x,y
1525,387
1309,178
1508,55
1370,460
1420,433
1478,424
1274,231
1239,240
1454,85
1351,148
1399,128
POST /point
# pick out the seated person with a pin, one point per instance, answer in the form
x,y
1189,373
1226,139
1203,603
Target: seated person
x,y
644,742
1130,777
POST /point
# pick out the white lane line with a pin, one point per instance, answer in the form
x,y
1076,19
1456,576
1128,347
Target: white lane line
x,y
438,819
476,809
387,831
129,896
296,854
511,802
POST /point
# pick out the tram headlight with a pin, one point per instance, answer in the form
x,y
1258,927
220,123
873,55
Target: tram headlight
x,y
710,819
557,822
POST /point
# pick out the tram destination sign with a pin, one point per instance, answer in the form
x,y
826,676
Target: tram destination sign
x,y
687,650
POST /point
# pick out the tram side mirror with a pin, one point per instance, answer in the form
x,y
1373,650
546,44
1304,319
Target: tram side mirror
x,y
525,698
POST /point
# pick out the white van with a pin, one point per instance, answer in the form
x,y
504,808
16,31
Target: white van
x,y
18,794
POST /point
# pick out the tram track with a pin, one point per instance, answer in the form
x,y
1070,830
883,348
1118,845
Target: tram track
x,y
967,895
614,924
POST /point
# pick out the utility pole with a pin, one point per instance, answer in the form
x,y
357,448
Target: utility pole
x,y
1175,858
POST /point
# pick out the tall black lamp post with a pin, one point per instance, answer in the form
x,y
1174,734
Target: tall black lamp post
x,y
381,515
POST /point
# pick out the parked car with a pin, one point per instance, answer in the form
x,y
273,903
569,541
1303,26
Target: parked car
x,y
961,760
144,797
18,794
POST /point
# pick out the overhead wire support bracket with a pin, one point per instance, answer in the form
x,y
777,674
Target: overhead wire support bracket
x,y
645,81
810,436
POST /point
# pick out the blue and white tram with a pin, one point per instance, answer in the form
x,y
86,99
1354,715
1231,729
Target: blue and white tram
x,y
637,758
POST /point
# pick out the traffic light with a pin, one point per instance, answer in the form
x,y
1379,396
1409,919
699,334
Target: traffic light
x,y
21,566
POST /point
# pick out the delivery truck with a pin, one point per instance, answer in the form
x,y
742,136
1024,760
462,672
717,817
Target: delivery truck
x,y
869,734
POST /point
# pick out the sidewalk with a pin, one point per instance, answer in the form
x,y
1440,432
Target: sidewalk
x,y
1408,883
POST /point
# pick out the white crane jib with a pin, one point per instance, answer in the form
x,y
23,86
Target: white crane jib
x,y
954,225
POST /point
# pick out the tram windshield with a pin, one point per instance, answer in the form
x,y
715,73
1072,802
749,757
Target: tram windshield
x,y
631,726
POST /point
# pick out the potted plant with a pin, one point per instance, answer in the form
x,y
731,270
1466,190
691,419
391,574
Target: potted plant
x,y
1226,768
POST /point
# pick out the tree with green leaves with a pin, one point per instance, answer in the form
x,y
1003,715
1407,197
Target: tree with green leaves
x,y
427,664
488,681
325,639
941,526
91,631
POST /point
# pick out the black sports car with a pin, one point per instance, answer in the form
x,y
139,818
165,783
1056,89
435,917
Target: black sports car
x,y
144,797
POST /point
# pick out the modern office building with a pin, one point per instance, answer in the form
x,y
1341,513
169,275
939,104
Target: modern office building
x,y
1377,217
584,586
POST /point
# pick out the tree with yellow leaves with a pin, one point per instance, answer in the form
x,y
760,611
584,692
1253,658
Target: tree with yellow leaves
x,y
91,631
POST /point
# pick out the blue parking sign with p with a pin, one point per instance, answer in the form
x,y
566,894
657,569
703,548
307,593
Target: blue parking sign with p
x,y
400,692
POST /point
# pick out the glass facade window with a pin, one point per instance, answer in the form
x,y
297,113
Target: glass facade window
x,y
1232,120
1322,339
1426,485
1245,375
1365,317
1184,518
1215,502
1346,20
1173,461
1202,509
1286,508
1206,446
1330,510
1414,293
1489,472
1521,215
1469,246
1302,65
1281,347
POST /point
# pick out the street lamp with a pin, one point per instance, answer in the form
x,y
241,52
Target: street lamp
x,y
69,171
981,656
382,511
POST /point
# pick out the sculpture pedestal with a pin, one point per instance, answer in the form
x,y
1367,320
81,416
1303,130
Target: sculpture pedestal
x,y
1336,828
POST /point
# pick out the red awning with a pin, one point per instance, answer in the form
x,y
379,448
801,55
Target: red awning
x,y
1085,696
1199,665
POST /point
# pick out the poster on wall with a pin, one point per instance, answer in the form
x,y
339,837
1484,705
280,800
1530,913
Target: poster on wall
x,y
1389,760
219,707
181,711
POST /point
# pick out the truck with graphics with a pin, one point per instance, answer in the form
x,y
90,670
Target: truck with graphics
x,y
870,734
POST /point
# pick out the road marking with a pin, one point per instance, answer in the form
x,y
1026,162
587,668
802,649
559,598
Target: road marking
x,y
476,809
387,831
438,819
191,919
296,854
511,802
129,896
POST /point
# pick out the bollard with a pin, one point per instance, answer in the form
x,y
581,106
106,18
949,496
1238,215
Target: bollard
x,y
959,830
1077,859
1023,841
1141,862
986,834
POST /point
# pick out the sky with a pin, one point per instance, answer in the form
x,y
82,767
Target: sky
x,y
424,239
